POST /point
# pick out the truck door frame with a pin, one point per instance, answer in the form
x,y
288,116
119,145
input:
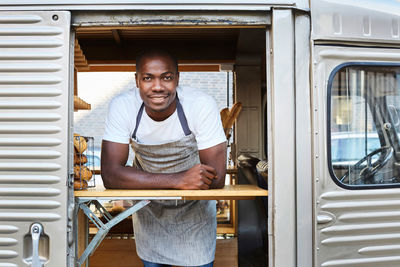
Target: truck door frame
x,y
241,20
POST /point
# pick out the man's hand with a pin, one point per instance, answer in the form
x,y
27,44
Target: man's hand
x,y
199,176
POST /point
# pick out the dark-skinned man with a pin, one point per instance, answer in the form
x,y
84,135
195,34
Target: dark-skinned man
x,y
178,141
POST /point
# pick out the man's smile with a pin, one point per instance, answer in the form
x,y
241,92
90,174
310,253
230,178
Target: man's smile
x,y
158,98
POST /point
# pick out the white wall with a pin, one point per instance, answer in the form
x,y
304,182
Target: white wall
x,y
98,88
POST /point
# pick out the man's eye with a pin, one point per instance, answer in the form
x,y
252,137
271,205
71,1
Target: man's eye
x,y
168,78
146,78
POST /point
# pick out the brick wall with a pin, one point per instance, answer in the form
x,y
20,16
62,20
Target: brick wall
x,y
98,88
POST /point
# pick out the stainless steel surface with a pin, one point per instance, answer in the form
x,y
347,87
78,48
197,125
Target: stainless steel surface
x,y
36,232
104,228
262,169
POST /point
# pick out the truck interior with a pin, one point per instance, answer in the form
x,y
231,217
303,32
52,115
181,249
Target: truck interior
x,y
242,240
365,125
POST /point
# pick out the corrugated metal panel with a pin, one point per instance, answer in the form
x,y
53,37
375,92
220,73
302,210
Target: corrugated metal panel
x,y
366,223
34,64
8,229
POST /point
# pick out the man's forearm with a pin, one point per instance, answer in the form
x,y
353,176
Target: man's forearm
x,y
215,157
198,177
201,176
124,177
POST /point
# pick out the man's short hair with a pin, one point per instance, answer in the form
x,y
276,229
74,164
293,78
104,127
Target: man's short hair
x,y
149,53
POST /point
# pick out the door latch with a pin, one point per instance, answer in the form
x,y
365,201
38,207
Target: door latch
x,y
36,232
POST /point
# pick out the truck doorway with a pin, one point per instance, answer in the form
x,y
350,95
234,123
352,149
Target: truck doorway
x,y
212,45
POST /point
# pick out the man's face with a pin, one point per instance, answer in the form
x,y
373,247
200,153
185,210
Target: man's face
x,y
157,81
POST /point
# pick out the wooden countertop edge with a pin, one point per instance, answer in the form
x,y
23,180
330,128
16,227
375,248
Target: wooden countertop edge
x,y
229,191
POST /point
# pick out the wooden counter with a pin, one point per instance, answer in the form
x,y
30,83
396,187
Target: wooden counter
x,y
229,192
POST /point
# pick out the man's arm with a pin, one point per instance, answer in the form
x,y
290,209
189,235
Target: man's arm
x,y
118,176
215,157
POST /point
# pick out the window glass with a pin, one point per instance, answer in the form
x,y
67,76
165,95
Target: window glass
x,y
365,125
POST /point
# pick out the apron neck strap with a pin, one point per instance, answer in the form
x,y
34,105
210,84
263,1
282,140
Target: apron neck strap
x,y
181,116
138,118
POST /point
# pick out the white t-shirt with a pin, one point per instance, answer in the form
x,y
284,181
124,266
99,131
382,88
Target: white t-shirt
x,y
201,112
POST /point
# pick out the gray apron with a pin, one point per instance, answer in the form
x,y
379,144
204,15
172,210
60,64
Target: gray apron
x,y
179,233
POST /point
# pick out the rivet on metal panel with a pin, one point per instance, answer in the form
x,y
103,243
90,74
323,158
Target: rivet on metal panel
x,y
317,180
35,229
316,156
55,17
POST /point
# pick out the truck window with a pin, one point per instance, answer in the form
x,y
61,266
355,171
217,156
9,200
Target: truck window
x,y
364,125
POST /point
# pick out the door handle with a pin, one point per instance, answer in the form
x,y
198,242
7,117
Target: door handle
x,y
36,232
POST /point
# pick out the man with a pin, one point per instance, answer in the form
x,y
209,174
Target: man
x,y
178,141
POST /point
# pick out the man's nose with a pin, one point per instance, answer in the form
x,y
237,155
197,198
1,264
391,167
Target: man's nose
x,y
157,85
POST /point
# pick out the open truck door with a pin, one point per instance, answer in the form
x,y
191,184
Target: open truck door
x,y
34,130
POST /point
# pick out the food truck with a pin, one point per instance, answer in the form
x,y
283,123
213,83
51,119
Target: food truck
x,y
319,84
